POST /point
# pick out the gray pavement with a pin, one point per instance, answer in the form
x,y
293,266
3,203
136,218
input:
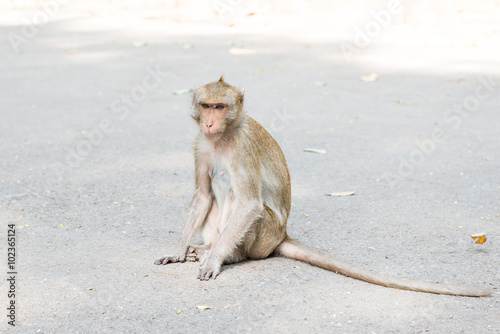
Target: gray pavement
x,y
96,168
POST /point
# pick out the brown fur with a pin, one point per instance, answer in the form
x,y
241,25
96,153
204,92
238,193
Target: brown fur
x,y
242,198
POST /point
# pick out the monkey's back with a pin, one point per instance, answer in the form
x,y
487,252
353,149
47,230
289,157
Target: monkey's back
x,y
275,178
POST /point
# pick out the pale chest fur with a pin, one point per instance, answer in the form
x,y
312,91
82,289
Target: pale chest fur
x,y
217,163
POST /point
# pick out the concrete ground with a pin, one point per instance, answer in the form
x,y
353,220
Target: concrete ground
x,y
96,168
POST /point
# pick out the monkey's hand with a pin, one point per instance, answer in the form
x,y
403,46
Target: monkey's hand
x,y
179,256
210,267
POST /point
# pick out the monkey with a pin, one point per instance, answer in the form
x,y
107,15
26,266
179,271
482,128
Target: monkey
x,y
242,198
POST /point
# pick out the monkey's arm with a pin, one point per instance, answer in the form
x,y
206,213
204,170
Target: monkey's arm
x,y
244,213
198,210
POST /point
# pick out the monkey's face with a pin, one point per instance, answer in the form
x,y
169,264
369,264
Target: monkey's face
x,y
213,118
216,108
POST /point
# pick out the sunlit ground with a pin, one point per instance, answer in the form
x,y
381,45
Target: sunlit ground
x,y
96,163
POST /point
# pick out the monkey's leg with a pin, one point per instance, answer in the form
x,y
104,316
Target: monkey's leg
x,y
236,256
261,239
268,234
210,227
195,252
242,218
209,233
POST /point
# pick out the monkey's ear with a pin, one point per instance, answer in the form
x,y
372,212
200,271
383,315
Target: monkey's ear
x,y
242,97
221,78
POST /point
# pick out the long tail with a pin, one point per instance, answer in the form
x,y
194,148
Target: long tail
x,y
294,250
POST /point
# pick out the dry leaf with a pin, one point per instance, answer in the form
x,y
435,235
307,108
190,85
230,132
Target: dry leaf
x,y
180,310
343,193
479,237
370,77
241,51
203,307
139,44
313,150
182,91
405,103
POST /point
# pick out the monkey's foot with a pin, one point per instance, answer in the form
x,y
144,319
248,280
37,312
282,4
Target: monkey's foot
x,y
196,252
209,268
207,272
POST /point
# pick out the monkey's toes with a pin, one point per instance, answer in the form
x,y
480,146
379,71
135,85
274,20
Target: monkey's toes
x,y
166,259
208,271
191,257
206,275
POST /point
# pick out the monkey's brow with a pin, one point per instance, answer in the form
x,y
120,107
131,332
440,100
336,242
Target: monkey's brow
x,y
212,103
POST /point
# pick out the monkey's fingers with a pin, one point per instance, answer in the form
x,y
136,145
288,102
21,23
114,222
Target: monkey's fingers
x,y
168,259
208,271
163,260
206,275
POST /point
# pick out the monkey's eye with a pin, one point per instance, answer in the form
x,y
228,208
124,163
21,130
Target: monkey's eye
x,y
219,106
204,105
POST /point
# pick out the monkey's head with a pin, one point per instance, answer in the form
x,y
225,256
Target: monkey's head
x,y
217,108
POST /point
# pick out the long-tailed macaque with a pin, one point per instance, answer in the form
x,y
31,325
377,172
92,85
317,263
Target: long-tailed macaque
x,y
242,198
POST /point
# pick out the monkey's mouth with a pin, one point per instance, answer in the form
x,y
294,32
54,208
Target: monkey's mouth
x,y
212,135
